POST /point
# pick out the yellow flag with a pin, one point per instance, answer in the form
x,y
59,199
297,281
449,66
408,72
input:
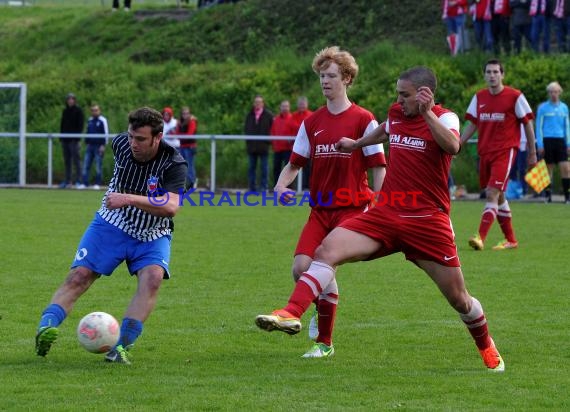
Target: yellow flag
x,y
538,177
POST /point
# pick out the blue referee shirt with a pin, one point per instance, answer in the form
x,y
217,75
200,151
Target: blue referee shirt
x,y
552,122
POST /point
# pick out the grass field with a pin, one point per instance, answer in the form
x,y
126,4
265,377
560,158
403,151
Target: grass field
x,y
399,346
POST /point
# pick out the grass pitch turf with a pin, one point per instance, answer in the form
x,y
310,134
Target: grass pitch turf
x,y
398,343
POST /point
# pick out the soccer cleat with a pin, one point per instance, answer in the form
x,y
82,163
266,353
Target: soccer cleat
x,y
319,350
280,320
45,337
505,244
119,355
476,242
492,358
314,326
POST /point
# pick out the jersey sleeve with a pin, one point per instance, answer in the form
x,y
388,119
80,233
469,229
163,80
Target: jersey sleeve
x,y
451,121
523,109
301,148
175,177
471,113
373,154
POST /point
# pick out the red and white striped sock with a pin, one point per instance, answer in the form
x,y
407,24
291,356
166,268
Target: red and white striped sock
x,y
477,324
308,287
487,219
328,301
504,217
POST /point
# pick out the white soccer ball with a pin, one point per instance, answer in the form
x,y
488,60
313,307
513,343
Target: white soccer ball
x,y
98,332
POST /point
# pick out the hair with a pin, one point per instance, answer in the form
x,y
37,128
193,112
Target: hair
x,y
146,116
494,61
554,85
420,76
345,61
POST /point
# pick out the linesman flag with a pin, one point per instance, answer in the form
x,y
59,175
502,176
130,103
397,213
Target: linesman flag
x,y
538,177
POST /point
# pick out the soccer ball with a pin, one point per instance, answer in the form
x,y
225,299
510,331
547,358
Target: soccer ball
x,y
98,332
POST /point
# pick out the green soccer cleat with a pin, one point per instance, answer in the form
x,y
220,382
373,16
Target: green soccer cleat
x,y
476,242
505,244
319,350
119,355
45,337
279,320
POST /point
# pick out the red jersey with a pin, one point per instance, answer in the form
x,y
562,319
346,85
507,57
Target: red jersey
x,y
418,168
498,118
337,179
454,9
298,117
282,126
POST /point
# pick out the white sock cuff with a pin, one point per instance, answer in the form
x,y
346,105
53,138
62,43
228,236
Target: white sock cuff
x,y
332,287
475,313
491,205
318,277
505,206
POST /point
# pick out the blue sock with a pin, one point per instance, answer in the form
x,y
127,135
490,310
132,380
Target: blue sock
x,y
53,315
130,331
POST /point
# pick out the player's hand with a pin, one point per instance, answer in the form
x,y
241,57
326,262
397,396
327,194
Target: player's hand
x,y
345,145
116,200
284,194
424,97
531,159
101,150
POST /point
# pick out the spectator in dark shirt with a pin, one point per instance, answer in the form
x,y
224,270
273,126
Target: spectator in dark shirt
x,y
72,121
258,123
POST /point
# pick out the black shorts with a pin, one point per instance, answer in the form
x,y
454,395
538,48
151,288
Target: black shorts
x,y
555,150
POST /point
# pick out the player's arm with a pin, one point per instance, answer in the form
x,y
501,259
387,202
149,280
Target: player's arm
x,y
165,205
441,133
468,132
377,136
530,143
286,177
378,175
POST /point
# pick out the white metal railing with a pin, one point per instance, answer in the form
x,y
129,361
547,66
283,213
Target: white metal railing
x,y
212,137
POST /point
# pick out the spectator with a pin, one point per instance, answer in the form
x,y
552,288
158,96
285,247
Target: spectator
x,y
282,126
187,125
298,117
72,120
520,22
541,16
501,26
95,147
454,18
562,23
553,137
258,123
170,127
482,24
126,3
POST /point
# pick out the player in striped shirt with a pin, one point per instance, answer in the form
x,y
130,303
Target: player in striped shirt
x,y
134,224
497,113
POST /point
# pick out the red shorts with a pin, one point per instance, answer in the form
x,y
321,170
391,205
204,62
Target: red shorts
x,y
426,236
321,222
494,169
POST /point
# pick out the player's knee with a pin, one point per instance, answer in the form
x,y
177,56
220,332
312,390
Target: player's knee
x,y
79,278
325,253
460,302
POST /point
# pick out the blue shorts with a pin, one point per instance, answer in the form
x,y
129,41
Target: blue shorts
x,y
104,247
